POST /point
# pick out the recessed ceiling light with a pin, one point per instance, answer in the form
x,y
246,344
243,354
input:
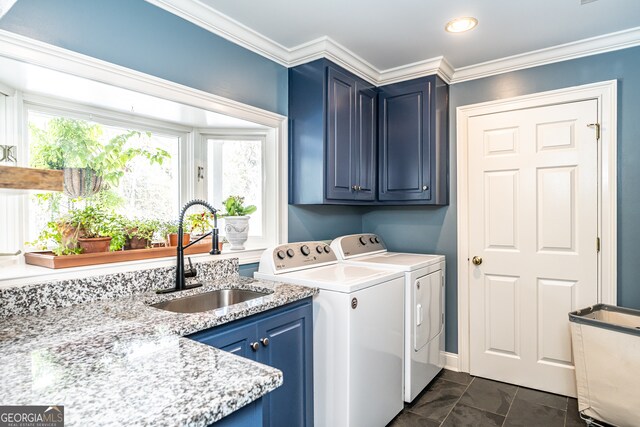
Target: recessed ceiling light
x,y
460,25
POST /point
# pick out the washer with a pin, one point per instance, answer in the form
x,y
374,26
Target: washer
x,y
357,333
424,278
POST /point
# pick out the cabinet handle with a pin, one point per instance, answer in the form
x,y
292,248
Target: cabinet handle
x,y
254,346
264,341
359,187
425,187
354,188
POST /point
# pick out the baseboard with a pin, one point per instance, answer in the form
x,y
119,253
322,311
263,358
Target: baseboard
x,y
451,361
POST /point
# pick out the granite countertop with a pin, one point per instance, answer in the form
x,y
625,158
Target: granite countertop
x,y
121,362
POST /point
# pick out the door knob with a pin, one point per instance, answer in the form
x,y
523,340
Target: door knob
x,y
264,341
254,346
476,260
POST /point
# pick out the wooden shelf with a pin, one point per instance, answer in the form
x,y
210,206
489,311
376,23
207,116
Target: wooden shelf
x,y
49,260
13,177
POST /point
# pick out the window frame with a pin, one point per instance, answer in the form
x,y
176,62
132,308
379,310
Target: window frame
x,y
269,177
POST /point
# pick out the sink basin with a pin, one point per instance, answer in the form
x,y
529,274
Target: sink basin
x,y
209,300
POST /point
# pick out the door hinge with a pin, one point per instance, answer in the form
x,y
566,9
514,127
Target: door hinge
x,y
597,126
598,244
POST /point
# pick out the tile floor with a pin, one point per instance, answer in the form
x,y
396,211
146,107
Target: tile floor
x,y
458,399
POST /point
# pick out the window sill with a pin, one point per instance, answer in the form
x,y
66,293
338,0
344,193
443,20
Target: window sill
x,y
14,272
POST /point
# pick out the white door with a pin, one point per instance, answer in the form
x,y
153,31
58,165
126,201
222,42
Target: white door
x,y
533,221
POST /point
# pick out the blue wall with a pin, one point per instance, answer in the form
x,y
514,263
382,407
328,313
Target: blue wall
x,y
143,37
137,35
434,230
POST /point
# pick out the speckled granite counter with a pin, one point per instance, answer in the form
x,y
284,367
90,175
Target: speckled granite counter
x,y
121,362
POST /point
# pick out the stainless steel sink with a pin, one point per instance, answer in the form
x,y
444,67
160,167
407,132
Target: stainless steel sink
x,y
209,300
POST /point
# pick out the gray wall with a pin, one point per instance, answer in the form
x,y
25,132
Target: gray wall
x,y
434,229
143,37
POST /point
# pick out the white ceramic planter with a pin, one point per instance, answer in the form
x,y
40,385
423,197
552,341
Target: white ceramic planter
x,y
236,230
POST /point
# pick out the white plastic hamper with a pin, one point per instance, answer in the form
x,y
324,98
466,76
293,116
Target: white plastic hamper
x,y
606,349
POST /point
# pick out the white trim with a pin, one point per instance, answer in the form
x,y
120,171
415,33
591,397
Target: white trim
x,y
450,361
206,17
35,52
226,27
605,94
564,52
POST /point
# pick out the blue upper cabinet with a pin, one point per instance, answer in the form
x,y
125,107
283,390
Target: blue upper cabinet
x,y
332,141
352,143
413,142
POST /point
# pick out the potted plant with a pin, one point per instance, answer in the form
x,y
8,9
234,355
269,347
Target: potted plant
x,y
98,231
169,231
62,234
139,233
200,223
236,221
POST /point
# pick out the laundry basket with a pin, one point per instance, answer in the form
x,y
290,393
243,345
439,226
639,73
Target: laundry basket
x,y
606,350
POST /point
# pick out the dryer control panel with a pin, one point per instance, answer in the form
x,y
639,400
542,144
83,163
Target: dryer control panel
x,y
296,256
358,244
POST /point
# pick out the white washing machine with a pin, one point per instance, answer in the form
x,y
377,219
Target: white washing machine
x,y
424,278
357,333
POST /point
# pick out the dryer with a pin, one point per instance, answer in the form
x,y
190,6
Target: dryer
x,y
424,279
357,333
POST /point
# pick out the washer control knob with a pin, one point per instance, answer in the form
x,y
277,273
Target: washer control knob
x,y
363,240
281,254
327,249
290,253
376,239
305,250
319,249
372,240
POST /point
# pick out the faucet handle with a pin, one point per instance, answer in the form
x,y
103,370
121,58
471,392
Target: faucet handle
x,y
191,271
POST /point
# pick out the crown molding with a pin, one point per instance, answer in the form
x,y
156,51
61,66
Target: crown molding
x,y
581,48
222,25
324,47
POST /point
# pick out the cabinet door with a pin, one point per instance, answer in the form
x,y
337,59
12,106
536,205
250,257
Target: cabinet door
x,y
366,156
234,339
340,171
404,141
290,349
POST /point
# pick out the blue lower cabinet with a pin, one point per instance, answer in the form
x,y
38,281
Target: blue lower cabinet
x,y
247,416
281,338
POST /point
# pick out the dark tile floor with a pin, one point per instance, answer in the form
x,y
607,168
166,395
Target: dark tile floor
x,y
458,399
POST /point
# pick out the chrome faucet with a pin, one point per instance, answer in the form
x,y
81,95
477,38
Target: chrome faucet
x,y
192,272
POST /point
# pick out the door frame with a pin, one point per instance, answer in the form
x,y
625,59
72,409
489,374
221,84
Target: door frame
x,y
606,95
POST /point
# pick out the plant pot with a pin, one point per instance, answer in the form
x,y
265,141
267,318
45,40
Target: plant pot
x,y
94,245
68,236
172,239
81,182
137,243
236,230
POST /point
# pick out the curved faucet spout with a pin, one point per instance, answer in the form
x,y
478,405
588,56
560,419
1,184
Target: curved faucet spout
x,y
180,273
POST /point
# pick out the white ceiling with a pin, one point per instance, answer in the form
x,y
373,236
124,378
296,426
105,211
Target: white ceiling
x,y
379,38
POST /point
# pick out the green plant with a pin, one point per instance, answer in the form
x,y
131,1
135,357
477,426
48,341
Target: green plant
x,y
59,233
76,143
201,222
143,229
92,222
234,206
168,227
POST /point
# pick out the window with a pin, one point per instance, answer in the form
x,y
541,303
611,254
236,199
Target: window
x,y
154,116
242,164
142,168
